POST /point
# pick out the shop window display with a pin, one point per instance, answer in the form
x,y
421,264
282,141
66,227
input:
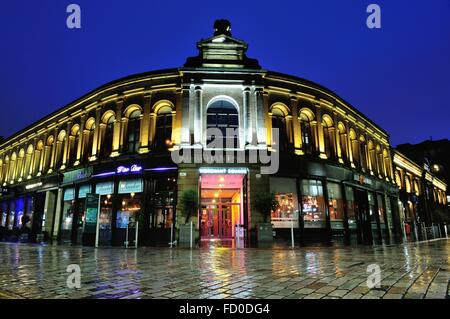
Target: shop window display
x,y
313,204
336,206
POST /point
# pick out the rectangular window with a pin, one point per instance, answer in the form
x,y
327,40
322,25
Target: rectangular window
x,y
286,215
350,198
130,206
85,189
335,206
313,204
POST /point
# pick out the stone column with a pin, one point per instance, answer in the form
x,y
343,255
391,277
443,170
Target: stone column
x,y
296,126
117,129
185,116
349,144
320,137
96,138
80,139
337,136
197,122
246,116
177,120
53,150
260,117
66,145
145,124
268,120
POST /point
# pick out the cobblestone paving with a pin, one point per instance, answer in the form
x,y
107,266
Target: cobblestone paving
x,y
420,270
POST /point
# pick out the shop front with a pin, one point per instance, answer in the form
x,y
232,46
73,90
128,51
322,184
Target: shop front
x,y
22,210
135,205
223,213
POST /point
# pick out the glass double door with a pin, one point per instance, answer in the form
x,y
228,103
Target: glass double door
x,y
216,221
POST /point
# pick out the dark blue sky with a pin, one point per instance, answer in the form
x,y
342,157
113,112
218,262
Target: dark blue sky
x,y
399,76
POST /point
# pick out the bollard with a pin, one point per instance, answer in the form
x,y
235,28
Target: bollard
x,y
190,237
136,235
292,234
171,235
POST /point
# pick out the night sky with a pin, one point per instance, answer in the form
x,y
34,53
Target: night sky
x,y
399,75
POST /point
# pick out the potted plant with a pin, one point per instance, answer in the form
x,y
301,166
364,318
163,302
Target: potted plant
x,y
265,203
189,206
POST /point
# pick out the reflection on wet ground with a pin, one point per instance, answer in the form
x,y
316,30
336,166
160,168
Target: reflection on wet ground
x,y
415,270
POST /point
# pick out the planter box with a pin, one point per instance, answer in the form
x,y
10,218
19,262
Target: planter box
x,y
184,235
265,233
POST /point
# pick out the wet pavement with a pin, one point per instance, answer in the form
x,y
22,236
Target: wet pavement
x,y
415,270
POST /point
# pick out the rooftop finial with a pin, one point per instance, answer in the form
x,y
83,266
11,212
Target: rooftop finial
x,y
222,26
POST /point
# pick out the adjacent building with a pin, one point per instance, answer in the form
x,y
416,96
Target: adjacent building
x,y
337,179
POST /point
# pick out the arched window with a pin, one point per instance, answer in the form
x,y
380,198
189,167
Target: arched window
x,y
223,115
362,151
373,157
355,147
163,128
387,163
279,122
59,149
398,180
6,171
381,169
342,136
48,153
88,139
328,136
107,134
20,163
306,117
38,156
133,132
73,144
407,184
28,158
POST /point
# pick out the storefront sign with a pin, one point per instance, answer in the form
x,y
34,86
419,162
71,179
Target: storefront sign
x,y
362,179
83,191
106,188
34,185
78,174
132,169
223,170
131,186
69,194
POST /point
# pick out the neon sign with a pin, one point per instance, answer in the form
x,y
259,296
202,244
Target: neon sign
x,y
132,169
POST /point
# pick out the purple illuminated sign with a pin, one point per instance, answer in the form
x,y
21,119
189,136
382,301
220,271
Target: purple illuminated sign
x,y
132,169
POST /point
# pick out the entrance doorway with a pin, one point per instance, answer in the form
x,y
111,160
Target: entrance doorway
x,y
221,211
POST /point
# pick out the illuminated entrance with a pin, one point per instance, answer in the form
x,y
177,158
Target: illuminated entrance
x,y
222,206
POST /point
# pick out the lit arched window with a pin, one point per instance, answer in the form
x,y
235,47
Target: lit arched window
x,y
306,116
328,136
47,153
279,122
373,157
133,132
59,149
223,115
73,144
354,147
362,151
107,134
163,128
88,139
342,135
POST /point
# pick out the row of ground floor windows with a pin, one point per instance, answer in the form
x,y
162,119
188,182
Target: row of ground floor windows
x,y
312,204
